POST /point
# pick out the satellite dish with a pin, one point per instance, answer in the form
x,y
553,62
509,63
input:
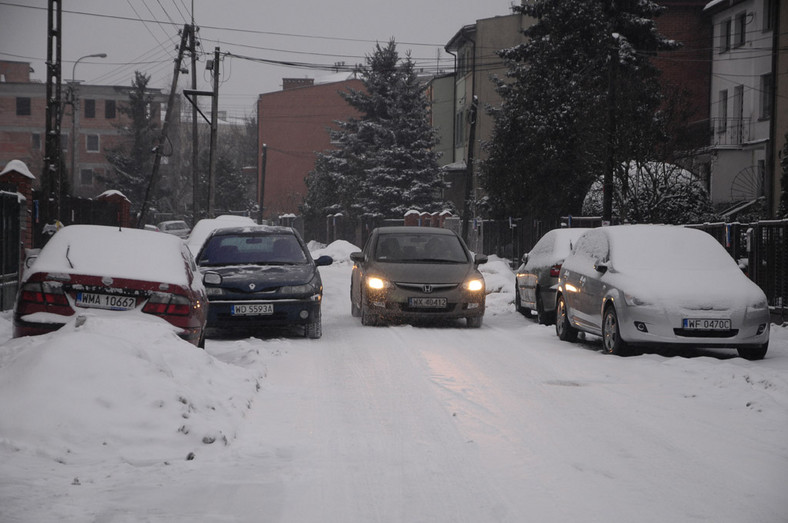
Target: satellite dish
x,y
747,184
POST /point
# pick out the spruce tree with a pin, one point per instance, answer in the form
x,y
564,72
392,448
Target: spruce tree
x,y
132,160
550,139
384,163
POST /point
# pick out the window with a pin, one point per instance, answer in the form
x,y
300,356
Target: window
x,y
109,109
35,142
86,177
725,35
22,106
738,113
459,129
90,108
741,29
92,143
768,14
766,96
722,111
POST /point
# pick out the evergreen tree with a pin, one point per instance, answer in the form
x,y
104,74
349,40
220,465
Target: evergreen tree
x,y
384,163
132,160
550,139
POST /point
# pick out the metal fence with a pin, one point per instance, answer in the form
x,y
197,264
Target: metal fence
x,y
761,249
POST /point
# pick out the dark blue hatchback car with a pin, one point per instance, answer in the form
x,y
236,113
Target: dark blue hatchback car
x,y
261,276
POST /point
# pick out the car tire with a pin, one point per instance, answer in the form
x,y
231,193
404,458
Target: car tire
x,y
314,329
753,353
563,328
355,310
474,322
367,318
519,308
611,334
543,317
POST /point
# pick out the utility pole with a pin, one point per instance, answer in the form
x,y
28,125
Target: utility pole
x,y
195,131
610,166
261,183
53,164
159,148
214,128
466,208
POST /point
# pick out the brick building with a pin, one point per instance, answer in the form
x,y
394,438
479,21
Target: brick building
x,y
293,125
84,139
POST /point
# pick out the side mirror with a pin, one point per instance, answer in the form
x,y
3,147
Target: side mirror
x,y
525,258
357,257
324,260
212,278
479,259
601,267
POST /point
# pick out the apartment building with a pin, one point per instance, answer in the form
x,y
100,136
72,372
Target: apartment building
x,y
90,125
742,101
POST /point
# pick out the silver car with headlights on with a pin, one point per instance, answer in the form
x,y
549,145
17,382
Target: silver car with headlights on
x,y
415,274
659,285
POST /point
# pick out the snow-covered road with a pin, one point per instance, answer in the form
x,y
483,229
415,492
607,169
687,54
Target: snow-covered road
x,y
400,424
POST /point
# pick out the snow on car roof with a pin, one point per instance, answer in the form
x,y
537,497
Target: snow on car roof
x,y
666,247
203,228
115,252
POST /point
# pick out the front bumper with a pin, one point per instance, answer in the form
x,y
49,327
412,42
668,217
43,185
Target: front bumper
x,y
646,325
395,306
285,312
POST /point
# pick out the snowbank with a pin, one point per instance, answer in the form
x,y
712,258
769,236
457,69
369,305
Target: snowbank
x,y
123,388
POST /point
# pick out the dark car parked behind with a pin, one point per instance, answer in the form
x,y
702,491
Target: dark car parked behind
x,y
537,278
261,276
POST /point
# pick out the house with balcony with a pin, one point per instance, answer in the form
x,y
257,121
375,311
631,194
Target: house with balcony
x,y
742,103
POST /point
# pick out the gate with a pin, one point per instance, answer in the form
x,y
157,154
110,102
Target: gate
x,y
9,247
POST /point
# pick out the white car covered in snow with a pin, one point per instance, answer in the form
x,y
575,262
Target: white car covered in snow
x,y
657,285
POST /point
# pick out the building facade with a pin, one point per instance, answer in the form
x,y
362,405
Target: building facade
x,y
742,93
90,126
293,127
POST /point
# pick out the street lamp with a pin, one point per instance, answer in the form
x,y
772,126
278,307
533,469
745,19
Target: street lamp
x,y
75,112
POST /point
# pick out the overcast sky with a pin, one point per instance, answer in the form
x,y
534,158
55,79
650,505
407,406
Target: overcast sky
x,y
143,35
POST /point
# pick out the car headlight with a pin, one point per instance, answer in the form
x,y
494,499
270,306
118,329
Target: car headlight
x,y
214,291
634,301
308,288
473,285
373,282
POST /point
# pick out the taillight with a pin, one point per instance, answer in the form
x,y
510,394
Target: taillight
x,y
555,270
43,293
163,304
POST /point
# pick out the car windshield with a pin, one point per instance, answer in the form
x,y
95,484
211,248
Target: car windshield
x,y
240,249
420,248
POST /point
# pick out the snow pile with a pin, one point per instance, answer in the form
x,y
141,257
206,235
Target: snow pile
x,y
339,250
499,280
125,388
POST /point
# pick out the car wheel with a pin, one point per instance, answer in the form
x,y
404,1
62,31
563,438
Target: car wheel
x,y
525,311
753,353
474,322
563,328
355,310
543,317
367,318
314,329
611,335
